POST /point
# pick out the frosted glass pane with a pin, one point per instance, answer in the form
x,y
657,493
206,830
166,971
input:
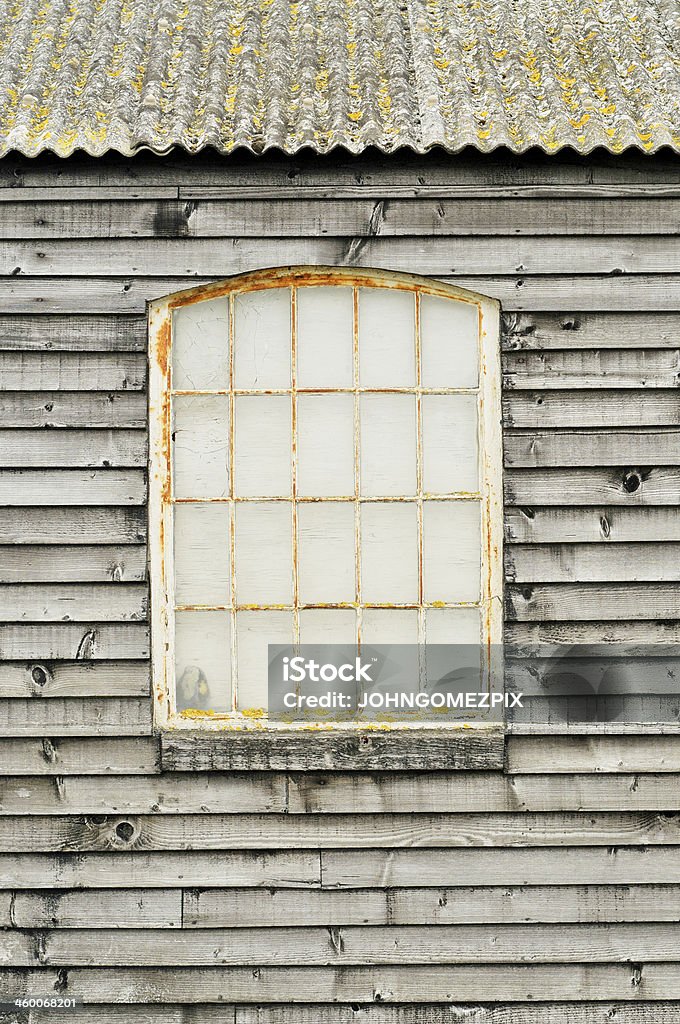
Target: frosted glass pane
x,y
263,553
452,626
388,445
451,550
201,554
262,455
325,445
328,626
201,446
262,334
449,347
325,348
326,552
450,452
203,661
200,346
389,553
389,626
254,631
386,338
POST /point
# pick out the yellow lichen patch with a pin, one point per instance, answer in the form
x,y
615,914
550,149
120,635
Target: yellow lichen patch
x,y
195,713
253,713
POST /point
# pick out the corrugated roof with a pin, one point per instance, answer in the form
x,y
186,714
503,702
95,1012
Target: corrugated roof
x,y
129,74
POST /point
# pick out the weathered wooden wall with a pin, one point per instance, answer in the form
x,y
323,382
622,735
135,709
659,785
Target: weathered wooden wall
x,y
545,893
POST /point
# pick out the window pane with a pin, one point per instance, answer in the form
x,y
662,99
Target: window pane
x,y
201,562
389,553
200,346
201,446
449,346
387,351
450,455
262,339
203,660
325,331
388,445
451,551
328,626
263,552
325,427
254,631
452,626
459,627
262,439
389,626
326,552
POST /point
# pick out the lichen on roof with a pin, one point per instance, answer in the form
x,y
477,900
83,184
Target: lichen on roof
x,y
126,75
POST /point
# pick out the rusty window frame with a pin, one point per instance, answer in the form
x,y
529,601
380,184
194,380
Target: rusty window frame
x,y
160,501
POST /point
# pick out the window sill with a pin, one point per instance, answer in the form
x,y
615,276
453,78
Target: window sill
x,y
471,749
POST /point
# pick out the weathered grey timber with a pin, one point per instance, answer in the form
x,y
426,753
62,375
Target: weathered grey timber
x,y
350,880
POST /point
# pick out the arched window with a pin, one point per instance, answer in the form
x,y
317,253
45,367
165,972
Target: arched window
x,y
325,468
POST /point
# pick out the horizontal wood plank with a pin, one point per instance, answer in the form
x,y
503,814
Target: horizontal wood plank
x,y
281,218
535,525
461,1013
629,485
47,563
347,945
91,641
396,750
72,487
595,408
72,448
639,638
73,525
605,563
651,293
567,754
583,601
237,908
481,792
75,679
288,869
578,330
48,833
72,371
77,756
89,716
397,984
244,243
600,368
559,866
592,447
43,333
94,908
244,793
60,193
62,602
49,409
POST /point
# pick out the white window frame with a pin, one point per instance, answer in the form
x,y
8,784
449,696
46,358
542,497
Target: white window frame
x,y
160,504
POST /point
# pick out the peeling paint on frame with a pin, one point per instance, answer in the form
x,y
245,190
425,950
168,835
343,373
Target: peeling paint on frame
x,y
160,504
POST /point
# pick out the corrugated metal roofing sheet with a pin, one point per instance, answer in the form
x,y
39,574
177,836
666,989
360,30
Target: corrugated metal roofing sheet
x,y
129,74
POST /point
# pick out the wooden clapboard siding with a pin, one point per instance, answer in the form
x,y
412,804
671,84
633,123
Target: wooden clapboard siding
x,y
309,882
216,831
